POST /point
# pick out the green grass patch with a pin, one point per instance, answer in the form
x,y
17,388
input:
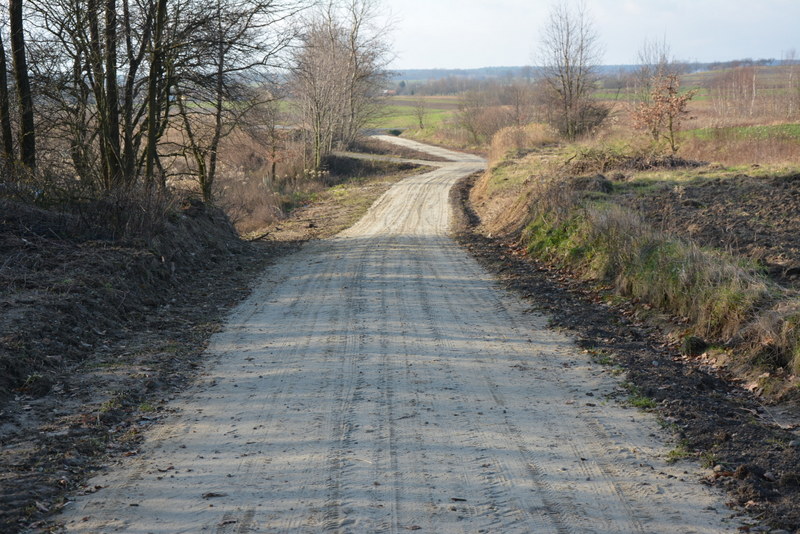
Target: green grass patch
x,y
604,359
405,117
790,131
708,459
147,407
637,399
679,452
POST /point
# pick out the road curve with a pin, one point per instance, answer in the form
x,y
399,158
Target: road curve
x,y
380,381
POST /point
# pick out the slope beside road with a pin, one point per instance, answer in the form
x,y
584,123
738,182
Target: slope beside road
x,y
379,381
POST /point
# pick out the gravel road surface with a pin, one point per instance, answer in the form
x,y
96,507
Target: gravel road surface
x,y
380,381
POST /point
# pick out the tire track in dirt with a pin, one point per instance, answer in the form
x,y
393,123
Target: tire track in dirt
x,y
379,381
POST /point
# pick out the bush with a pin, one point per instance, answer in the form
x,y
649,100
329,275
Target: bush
x,y
590,117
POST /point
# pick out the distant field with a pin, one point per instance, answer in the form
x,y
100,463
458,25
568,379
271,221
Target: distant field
x,y
400,112
440,102
776,131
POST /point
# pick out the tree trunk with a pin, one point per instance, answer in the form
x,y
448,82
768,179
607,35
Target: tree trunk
x,y
111,129
153,100
27,133
5,115
218,109
131,142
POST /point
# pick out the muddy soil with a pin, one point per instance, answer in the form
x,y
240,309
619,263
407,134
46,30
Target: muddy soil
x,y
715,420
753,217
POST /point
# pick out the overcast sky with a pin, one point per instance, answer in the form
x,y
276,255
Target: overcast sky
x,y
491,33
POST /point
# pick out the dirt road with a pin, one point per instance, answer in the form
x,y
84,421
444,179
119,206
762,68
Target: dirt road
x,y
380,382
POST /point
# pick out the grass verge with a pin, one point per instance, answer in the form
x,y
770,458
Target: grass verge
x,y
576,222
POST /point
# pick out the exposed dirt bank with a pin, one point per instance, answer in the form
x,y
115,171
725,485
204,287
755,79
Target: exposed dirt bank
x,y
754,217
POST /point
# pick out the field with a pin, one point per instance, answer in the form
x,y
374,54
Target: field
x,y
401,112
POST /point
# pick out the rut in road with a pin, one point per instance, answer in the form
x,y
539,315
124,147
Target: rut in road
x,y
379,381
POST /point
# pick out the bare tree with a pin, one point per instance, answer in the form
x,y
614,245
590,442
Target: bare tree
x,y
518,98
27,132
99,83
5,114
734,92
654,61
419,112
368,57
338,73
472,107
792,69
154,88
569,54
225,84
131,92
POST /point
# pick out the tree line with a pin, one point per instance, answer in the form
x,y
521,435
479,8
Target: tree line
x,y
99,96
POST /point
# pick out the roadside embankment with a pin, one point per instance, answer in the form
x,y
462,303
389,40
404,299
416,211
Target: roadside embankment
x,y
583,247
98,332
661,232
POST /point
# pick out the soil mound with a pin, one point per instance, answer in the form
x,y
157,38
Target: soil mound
x,y
68,285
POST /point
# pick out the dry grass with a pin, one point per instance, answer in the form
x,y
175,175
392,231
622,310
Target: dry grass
x,y
722,139
447,134
729,151
774,336
607,242
718,296
515,140
249,204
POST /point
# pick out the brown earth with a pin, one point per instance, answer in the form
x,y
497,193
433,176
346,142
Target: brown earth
x,y
753,217
98,333
715,420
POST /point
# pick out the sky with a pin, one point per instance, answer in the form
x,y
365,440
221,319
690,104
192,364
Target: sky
x,y
461,34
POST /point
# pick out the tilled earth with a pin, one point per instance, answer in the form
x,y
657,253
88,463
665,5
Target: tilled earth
x,y
715,420
754,217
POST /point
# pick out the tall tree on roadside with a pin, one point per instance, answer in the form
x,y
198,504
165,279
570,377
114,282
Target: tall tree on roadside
x,y
337,74
27,132
222,82
367,58
154,87
111,133
569,54
6,139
